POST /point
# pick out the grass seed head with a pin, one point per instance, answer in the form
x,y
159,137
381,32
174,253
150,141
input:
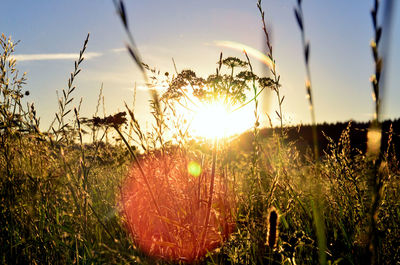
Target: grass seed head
x,y
273,230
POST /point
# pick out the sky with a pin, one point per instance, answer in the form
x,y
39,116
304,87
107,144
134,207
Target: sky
x,y
51,33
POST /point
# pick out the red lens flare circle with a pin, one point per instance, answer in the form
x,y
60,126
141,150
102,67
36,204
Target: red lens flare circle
x,y
166,207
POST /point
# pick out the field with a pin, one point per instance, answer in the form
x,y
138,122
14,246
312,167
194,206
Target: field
x,y
102,190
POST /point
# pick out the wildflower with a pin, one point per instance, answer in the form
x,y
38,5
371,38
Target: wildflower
x,y
115,120
265,82
233,62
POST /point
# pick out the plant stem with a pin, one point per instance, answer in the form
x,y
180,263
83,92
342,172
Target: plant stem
x,y
210,196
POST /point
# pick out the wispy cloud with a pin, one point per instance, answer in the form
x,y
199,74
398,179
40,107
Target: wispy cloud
x,y
118,50
54,56
143,87
159,49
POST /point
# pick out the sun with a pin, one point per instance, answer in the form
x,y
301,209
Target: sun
x,y
210,120
217,120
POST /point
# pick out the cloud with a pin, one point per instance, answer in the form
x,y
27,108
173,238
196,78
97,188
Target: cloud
x,y
118,50
158,49
143,87
54,56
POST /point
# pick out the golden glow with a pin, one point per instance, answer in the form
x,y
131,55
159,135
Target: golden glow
x,y
249,50
374,136
212,120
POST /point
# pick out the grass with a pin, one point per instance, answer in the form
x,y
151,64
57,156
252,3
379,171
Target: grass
x,y
166,197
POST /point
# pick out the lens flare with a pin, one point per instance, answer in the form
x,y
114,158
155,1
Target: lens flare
x,y
194,169
165,208
249,50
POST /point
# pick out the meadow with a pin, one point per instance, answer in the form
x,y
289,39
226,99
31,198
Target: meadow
x,y
101,190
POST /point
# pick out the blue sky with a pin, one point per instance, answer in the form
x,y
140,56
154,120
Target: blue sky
x,y
339,31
